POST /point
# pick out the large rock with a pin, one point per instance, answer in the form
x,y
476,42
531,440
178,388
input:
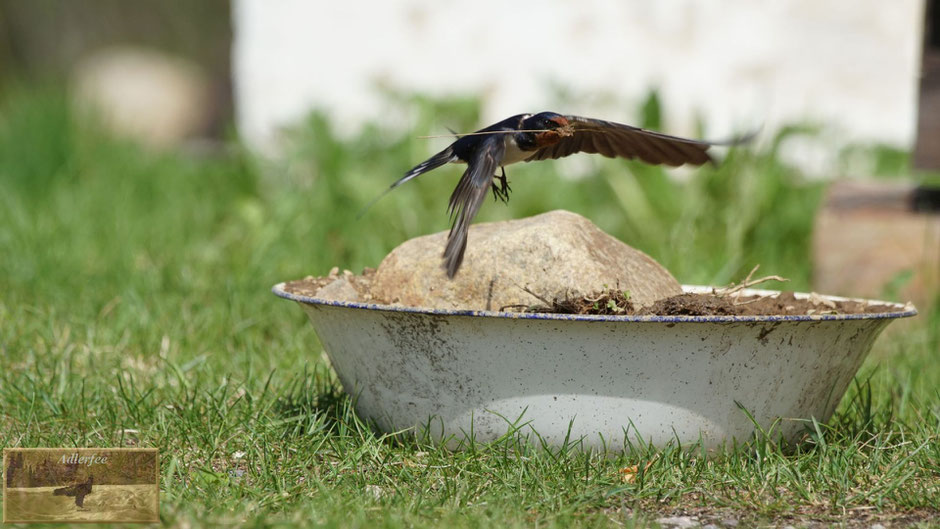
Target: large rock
x,y
555,254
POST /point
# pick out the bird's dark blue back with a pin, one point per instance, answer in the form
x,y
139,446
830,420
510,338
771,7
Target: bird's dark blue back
x,y
465,145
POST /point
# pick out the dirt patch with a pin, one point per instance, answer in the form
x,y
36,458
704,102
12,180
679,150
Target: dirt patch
x,y
795,515
785,303
610,302
313,287
617,302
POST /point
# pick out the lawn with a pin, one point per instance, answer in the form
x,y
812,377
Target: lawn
x,y
135,311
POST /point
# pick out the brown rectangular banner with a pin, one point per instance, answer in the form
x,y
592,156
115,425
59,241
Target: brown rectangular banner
x,y
81,485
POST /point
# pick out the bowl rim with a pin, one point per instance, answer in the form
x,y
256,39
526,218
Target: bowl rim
x,y
903,310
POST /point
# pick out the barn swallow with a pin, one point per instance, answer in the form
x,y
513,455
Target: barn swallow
x,y
542,136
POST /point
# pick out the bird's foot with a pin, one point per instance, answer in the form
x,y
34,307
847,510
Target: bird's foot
x,y
501,192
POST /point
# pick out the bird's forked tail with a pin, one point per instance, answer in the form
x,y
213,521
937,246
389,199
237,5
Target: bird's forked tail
x,y
444,157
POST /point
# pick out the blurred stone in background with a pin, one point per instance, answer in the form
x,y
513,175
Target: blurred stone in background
x,y
50,40
878,239
151,96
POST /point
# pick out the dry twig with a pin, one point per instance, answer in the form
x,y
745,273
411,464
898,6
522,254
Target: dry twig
x,y
734,291
565,131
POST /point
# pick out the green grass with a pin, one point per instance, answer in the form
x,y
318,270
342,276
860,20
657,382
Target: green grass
x,y
135,311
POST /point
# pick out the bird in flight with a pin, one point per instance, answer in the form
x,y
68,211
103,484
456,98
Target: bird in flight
x,y
542,136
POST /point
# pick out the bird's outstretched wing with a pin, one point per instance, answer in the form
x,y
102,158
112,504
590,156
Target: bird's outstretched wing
x,y
618,140
469,194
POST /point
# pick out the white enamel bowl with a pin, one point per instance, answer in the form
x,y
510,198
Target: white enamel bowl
x,y
596,379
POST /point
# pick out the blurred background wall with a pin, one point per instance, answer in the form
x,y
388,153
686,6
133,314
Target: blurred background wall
x,y
733,64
